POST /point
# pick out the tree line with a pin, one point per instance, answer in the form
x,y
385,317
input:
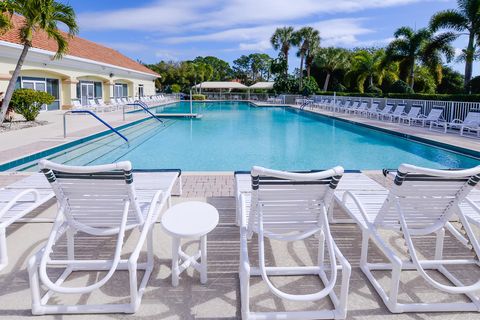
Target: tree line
x,y
414,61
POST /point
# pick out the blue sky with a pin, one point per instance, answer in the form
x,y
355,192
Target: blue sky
x,y
153,30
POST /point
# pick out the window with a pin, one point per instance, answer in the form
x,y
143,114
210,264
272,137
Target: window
x,y
98,90
87,90
120,90
42,84
140,90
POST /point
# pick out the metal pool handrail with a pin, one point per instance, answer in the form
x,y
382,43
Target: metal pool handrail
x,y
93,115
144,107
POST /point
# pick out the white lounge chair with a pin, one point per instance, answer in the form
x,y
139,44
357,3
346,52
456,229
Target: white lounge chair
x,y
434,118
385,112
18,200
398,112
361,109
288,207
76,105
421,202
98,202
413,113
355,105
372,110
470,123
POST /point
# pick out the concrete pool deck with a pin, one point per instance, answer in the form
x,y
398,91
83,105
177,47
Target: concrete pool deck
x,y
220,297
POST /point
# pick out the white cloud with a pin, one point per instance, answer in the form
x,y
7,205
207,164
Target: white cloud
x,y
166,55
194,15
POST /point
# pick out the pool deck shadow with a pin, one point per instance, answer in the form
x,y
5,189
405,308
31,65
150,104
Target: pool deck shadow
x,y
220,297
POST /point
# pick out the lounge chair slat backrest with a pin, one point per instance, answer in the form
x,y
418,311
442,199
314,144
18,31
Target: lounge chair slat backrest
x,y
399,110
93,199
414,111
435,114
290,204
426,198
387,109
472,118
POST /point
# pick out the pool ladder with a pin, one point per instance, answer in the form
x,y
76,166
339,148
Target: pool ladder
x,y
93,115
144,106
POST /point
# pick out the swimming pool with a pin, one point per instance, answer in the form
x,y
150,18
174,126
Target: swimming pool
x,y
237,135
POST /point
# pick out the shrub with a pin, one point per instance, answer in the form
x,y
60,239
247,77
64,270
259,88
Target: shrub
x,y
28,102
198,96
474,85
400,86
338,87
175,88
375,90
286,84
310,86
440,97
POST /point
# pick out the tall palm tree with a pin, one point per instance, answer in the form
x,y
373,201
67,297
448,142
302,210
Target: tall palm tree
x,y
368,65
38,15
282,39
410,46
331,59
313,46
306,38
464,20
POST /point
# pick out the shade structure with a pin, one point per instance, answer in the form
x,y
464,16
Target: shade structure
x,y
220,85
262,85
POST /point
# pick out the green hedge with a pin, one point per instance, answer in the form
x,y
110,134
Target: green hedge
x,y
412,96
441,97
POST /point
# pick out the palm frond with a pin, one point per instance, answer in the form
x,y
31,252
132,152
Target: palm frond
x,y
449,19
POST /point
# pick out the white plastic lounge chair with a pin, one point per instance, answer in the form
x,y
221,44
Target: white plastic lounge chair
x,y
385,112
433,118
372,110
288,207
355,105
398,112
76,105
361,109
413,113
97,201
471,122
421,202
16,201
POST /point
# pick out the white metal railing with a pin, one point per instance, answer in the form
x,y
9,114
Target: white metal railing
x,y
452,109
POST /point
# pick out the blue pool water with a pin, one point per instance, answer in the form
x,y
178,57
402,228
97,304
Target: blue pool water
x,y
236,135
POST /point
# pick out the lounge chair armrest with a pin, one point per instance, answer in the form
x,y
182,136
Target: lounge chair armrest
x,y
357,202
456,121
12,202
150,219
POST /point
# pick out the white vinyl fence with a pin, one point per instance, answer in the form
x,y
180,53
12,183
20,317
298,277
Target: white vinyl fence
x,y
452,109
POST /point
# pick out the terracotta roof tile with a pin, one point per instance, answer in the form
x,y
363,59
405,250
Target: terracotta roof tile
x,y
78,47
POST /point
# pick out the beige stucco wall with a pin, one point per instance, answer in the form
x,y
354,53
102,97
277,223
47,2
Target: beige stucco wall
x,y
69,77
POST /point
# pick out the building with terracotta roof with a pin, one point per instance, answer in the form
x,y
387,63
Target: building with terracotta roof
x,y
88,71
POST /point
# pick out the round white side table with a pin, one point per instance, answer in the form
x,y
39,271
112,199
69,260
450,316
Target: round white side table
x,y
191,219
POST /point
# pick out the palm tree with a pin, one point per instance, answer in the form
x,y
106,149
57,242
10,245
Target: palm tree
x,y
282,39
313,46
331,59
410,46
306,38
464,20
38,15
368,65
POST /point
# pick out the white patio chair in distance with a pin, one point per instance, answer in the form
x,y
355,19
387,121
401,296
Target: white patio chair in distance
x,y
288,206
471,122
